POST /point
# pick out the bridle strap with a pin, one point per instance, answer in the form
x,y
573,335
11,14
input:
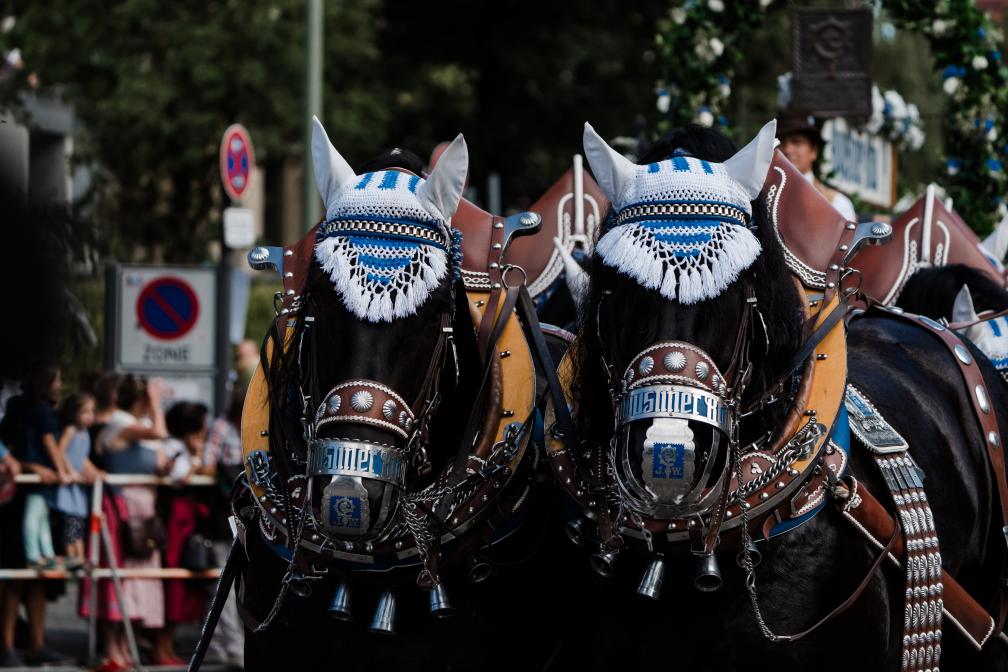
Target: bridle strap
x,y
981,318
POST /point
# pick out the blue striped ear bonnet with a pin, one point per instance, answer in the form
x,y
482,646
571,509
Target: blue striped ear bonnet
x,y
680,226
384,251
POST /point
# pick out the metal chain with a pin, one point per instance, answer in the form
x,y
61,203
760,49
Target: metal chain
x,y
747,563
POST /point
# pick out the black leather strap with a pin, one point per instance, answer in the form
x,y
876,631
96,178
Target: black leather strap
x,y
235,559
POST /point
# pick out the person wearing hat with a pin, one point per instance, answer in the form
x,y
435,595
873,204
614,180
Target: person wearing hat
x,y
801,143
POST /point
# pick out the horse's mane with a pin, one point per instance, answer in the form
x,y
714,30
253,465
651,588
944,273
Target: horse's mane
x,y
777,301
932,291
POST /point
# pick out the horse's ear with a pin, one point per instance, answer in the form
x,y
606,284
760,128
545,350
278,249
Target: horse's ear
x,y
962,309
332,171
612,170
750,164
997,242
441,191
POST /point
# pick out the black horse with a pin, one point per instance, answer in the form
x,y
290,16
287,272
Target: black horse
x,y
491,615
809,571
933,291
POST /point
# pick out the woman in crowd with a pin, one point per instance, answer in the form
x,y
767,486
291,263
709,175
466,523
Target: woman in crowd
x,y
185,600
104,392
29,430
130,443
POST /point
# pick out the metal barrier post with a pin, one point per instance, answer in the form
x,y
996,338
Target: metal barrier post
x,y
95,550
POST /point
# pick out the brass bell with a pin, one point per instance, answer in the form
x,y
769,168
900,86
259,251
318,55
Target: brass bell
x,y
339,608
440,606
602,562
383,622
651,583
480,570
708,576
575,531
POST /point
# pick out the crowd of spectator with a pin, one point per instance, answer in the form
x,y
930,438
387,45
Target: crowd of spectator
x,y
115,424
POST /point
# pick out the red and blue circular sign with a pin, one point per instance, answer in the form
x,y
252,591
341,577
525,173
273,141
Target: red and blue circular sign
x,y
236,161
167,308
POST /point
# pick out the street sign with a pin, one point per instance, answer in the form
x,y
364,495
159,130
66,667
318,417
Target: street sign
x,y
859,163
165,319
237,161
831,59
239,228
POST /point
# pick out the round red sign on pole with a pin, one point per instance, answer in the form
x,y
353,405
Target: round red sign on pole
x,y
167,308
236,161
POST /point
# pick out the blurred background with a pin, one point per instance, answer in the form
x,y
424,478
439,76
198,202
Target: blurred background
x,y
121,106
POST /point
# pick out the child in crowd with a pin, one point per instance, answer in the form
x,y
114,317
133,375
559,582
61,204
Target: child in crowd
x,y
77,414
43,452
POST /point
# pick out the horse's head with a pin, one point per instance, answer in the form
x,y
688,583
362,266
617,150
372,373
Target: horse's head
x,y
373,334
691,311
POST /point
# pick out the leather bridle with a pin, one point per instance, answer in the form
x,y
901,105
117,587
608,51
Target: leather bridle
x,y
678,380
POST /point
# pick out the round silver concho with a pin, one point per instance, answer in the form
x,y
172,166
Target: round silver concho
x,y
628,377
389,409
362,401
405,422
645,366
334,403
701,370
674,361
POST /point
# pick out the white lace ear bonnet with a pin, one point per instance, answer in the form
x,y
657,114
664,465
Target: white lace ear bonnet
x,y
680,226
387,240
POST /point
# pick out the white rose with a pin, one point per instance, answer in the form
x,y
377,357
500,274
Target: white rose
x,y
8,24
913,112
717,46
678,15
939,26
724,90
953,170
915,137
705,118
765,3
716,5
979,62
992,134
951,85
703,52
663,103
897,106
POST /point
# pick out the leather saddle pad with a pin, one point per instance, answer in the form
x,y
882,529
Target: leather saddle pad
x,y
807,225
927,234
535,253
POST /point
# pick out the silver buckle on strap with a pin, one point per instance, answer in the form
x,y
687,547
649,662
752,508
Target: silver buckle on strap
x,y
338,457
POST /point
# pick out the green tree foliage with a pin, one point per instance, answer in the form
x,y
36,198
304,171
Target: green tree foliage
x,y
154,84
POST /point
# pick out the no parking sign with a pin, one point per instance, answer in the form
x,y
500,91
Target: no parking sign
x,y
165,318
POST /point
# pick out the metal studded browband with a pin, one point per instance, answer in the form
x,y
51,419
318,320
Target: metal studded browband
x,y
721,211
366,402
674,401
419,232
341,457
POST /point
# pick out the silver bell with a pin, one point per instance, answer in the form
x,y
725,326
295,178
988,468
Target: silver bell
x,y
383,622
602,562
480,570
575,531
651,582
440,606
754,554
339,608
708,576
